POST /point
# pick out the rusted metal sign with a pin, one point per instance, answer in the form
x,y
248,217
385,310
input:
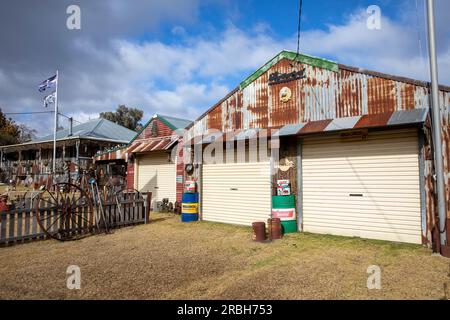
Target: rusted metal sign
x,y
277,77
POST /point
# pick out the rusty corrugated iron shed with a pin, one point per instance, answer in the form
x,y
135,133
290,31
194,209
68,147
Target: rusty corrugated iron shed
x,y
329,91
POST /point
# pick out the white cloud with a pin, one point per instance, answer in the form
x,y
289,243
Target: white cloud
x,y
232,51
187,77
394,49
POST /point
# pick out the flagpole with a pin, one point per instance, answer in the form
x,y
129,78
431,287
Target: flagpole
x,y
436,124
56,123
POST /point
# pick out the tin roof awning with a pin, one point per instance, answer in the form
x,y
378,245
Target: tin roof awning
x,y
150,145
236,135
139,146
388,119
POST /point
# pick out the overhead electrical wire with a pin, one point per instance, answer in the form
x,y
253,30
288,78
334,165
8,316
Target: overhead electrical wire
x,y
39,112
299,33
299,28
25,113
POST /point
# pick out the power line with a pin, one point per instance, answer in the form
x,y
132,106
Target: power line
x,y
299,29
68,117
25,113
40,112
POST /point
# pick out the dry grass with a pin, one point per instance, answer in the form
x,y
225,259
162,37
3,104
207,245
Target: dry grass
x,y
170,260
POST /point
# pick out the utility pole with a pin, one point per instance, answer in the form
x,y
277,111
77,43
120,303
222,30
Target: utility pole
x,y
436,113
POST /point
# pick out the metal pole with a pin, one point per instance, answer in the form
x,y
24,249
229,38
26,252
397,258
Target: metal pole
x,y
439,164
56,123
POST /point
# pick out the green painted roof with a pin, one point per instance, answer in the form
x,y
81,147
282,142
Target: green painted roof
x,y
172,122
303,58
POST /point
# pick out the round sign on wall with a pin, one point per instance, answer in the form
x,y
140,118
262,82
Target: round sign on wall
x,y
285,94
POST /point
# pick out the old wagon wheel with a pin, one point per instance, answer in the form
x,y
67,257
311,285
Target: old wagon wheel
x,y
124,196
124,193
65,214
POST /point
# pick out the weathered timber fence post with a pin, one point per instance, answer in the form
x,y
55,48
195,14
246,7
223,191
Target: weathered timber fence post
x,y
147,201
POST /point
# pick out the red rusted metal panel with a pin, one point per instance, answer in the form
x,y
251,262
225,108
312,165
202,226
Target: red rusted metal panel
x,y
373,120
381,95
282,113
215,119
349,97
133,146
150,145
162,130
258,108
407,96
315,126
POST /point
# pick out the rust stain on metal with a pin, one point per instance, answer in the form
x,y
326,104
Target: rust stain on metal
x,y
381,95
316,126
215,118
350,98
281,112
373,120
445,123
407,96
258,112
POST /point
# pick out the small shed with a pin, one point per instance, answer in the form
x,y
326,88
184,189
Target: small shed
x,y
355,145
154,158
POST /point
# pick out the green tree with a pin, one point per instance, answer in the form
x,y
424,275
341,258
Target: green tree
x,y
9,130
14,133
128,117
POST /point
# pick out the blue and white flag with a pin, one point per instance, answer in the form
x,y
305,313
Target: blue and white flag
x,y
49,99
49,83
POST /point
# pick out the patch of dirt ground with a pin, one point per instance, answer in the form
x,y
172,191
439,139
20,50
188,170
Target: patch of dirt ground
x,y
166,259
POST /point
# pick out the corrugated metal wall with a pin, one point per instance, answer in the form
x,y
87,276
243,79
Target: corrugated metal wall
x,y
326,94
322,95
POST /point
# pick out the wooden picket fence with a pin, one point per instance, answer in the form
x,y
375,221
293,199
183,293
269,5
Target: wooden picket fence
x,y
21,225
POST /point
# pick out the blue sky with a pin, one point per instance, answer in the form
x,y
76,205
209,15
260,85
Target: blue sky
x,y
179,57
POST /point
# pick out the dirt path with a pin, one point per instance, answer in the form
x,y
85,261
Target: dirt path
x,y
169,260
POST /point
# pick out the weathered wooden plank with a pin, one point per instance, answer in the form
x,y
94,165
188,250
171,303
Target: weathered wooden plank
x,y
19,225
79,211
3,224
27,232
12,224
86,221
34,226
50,216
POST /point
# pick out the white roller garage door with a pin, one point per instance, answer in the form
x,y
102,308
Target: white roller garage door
x,y
367,189
155,174
236,193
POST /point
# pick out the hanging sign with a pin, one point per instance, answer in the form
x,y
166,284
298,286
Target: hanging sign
x,y
283,187
277,77
284,214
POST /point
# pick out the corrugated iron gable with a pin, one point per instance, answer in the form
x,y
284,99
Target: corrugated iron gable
x,y
325,94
